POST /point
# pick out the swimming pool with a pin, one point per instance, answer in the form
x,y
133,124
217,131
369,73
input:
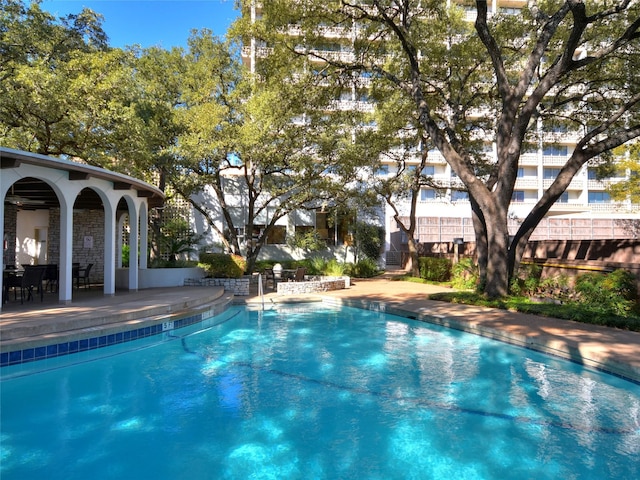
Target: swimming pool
x,y
316,391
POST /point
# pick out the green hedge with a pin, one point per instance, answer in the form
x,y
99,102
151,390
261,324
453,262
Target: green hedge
x,y
435,269
222,265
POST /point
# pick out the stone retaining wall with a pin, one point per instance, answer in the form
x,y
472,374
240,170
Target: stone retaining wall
x,y
318,285
239,286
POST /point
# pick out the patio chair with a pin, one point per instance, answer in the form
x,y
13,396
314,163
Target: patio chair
x,y
51,277
30,279
83,274
299,276
269,276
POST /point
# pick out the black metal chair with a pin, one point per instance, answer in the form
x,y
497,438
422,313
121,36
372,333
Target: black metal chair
x,y
31,279
83,274
51,277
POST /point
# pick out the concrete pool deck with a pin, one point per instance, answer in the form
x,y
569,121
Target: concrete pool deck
x,y
611,350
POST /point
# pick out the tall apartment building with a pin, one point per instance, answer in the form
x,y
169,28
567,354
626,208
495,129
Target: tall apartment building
x,y
585,210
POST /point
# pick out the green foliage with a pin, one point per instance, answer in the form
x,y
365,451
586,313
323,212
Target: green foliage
x,y
334,268
125,255
369,239
628,160
557,287
308,241
607,300
365,268
316,265
528,279
178,239
222,265
613,293
435,269
464,274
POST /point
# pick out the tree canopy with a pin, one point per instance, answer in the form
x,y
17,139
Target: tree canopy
x,y
501,80
63,90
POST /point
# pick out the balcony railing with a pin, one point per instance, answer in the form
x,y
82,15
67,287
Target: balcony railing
x,y
576,183
529,158
527,183
352,105
554,159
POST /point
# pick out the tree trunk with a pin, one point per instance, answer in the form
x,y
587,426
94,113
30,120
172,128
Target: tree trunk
x,y
492,246
497,284
414,263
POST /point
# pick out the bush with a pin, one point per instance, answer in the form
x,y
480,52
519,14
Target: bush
x,y
615,292
435,269
369,240
222,265
464,274
365,268
527,281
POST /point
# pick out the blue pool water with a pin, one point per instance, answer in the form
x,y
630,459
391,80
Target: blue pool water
x,y
314,391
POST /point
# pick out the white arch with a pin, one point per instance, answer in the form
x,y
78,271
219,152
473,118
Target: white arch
x,y
67,180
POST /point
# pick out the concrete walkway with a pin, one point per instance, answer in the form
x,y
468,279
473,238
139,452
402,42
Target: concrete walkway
x,y
615,351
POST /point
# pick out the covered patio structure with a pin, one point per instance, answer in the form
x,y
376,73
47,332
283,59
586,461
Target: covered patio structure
x,y
59,212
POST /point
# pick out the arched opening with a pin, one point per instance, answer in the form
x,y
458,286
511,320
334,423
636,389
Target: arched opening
x,y
88,239
29,226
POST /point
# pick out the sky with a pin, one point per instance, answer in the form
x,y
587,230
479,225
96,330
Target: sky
x,y
148,23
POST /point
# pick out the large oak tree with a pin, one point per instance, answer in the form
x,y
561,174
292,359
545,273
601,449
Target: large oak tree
x,y
570,65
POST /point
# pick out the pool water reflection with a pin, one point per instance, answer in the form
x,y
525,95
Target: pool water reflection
x,y
314,391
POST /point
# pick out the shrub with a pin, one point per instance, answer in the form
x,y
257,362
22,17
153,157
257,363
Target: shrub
x,y
557,287
222,265
316,265
464,274
435,269
369,240
615,292
333,268
527,281
365,268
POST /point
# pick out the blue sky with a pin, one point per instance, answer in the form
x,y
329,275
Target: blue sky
x,y
163,23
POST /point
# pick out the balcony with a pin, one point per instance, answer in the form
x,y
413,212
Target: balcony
x,y
261,52
564,208
576,183
529,158
434,156
527,183
555,160
333,55
569,138
352,105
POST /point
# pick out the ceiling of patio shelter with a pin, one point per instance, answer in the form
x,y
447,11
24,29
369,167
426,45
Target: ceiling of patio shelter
x,y
34,194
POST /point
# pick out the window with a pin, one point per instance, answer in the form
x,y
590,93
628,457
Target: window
x,y
555,150
550,173
564,198
518,196
458,196
277,235
520,172
592,174
599,197
429,170
382,170
427,194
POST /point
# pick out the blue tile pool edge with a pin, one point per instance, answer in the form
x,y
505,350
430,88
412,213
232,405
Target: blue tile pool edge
x,y
152,326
